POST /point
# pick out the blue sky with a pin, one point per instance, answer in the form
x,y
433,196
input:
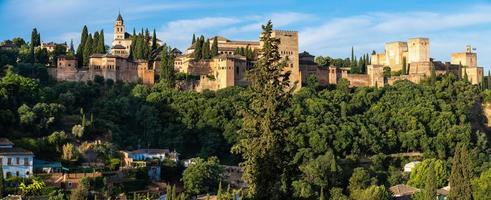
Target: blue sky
x,y
325,27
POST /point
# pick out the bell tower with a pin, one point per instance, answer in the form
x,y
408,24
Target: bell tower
x,y
119,28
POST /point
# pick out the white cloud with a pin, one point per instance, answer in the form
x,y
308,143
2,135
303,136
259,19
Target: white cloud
x,y
253,23
178,33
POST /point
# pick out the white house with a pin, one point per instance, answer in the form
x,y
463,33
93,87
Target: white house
x,y
15,161
149,154
410,166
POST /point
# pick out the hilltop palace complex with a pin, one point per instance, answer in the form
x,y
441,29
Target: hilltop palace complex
x,y
228,69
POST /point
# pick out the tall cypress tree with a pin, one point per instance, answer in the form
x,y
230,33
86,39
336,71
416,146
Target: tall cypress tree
x,y
264,126
95,42
194,39
87,50
404,70
461,175
206,50
429,192
433,75
1,181
198,45
167,72
154,41
35,38
214,47
489,80
101,47
80,48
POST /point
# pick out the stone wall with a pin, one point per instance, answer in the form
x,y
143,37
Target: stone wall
x,y
358,80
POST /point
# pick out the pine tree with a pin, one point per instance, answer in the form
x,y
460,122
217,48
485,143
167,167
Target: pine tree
x,y
194,39
80,48
264,127
214,47
167,72
87,50
429,193
461,175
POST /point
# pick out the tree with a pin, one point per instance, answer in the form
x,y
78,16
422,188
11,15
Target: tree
x,y
101,48
154,41
371,193
433,75
41,56
429,192
167,72
18,41
264,126
35,38
80,48
421,171
69,152
460,178
194,39
337,194
482,186
360,179
87,50
202,176
198,46
81,192
214,47
95,42
404,66
1,181
489,80
206,50
72,49
78,131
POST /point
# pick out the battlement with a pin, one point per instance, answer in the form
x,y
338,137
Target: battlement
x,y
285,31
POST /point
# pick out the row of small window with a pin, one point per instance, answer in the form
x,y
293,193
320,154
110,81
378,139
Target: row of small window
x,y
17,173
286,52
9,161
107,67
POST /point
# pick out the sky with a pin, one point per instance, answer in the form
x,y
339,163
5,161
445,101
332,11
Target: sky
x,y
327,28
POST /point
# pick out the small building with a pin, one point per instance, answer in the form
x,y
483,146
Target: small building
x,y
130,158
403,192
47,167
15,161
410,166
442,193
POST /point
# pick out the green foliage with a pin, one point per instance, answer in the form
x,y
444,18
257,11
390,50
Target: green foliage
x,y
202,176
337,194
214,47
461,176
87,50
434,167
360,179
80,48
167,72
481,186
35,38
264,127
371,193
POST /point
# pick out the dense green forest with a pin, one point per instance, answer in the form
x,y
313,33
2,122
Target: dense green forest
x,y
331,141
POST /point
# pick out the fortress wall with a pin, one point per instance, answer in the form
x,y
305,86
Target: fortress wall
x,y
358,80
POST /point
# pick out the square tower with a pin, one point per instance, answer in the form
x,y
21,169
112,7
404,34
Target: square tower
x,y
395,53
467,58
288,48
418,50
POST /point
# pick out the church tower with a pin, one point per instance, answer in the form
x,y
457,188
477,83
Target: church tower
x,y
119,28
